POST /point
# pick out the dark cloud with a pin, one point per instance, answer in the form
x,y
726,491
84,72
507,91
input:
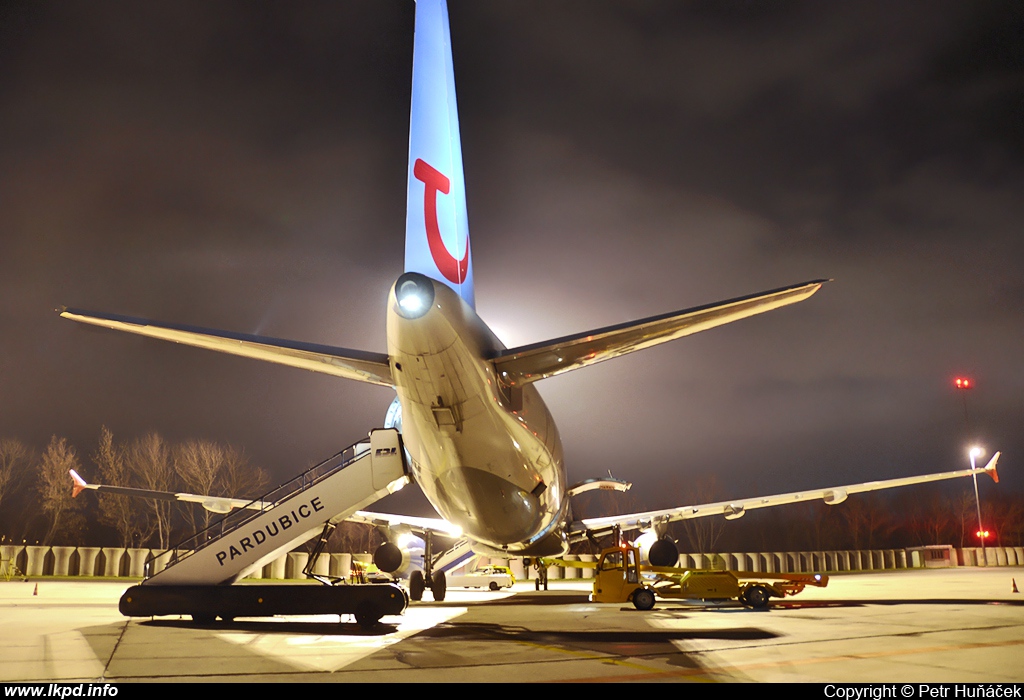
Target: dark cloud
x,y
242,166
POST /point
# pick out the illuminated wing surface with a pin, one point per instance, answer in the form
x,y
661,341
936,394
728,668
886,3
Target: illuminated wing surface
x,y
411,523
362,366
222,504
214,504
738,507
528,363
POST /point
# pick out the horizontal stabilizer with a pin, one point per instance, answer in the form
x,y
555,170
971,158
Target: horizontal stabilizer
x,y
522,365
362,366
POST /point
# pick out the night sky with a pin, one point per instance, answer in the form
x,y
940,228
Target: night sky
x,y
242,166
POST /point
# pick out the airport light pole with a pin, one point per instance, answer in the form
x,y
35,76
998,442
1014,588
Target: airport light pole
x,y
963,385
976,452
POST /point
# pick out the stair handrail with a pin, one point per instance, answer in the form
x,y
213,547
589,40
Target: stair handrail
x,y
258,506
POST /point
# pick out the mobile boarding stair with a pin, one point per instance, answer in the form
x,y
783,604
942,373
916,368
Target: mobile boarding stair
x,y
200,571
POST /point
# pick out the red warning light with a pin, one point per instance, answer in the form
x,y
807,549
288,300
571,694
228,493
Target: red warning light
x,y
982,534
963,383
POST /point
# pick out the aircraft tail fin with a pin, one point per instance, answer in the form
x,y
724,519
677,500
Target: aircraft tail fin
x,y
436,225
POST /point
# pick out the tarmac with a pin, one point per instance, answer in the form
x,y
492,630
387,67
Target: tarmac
x,y
922,626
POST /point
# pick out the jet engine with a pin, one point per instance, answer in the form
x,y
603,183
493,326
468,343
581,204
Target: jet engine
x,y
398,557
393,418
658,551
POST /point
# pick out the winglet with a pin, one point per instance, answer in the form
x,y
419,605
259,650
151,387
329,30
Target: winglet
x,y
80,484
990,468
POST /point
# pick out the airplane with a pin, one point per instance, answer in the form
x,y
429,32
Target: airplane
x,y
479,440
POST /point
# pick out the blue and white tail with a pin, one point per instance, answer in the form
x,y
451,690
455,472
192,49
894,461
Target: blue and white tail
x,y
436,225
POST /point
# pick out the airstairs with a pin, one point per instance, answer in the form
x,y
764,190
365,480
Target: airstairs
x,y
291,514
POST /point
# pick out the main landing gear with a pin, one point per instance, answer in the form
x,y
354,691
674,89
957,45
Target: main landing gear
x,y
418,579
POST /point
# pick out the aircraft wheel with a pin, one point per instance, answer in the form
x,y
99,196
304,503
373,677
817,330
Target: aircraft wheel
x,y
756,597
494,586
203,618
438,585
643,599
416,585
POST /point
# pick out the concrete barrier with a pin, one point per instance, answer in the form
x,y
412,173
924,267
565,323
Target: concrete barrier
x,y
36,560
84,561
87,557
323,565
137,562
341,565
363,559
9,560
112,561
279,567
62,560
296,563
160,560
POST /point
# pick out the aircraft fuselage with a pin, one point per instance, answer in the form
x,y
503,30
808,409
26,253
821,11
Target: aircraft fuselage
x,y
491,468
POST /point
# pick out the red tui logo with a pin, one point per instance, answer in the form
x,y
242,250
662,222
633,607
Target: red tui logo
x,y
433,182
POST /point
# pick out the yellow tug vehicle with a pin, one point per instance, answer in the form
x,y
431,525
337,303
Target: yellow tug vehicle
x,y
618,580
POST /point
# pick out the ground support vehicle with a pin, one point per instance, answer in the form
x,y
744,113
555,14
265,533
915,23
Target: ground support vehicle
x,y
493,577
620,578
368,602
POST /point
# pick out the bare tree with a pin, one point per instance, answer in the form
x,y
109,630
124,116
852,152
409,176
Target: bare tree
x,y
931,519
703,533
199,464
15,461
149,459
55,491
964,510
354,538
128,515
209,468
238,478
18,495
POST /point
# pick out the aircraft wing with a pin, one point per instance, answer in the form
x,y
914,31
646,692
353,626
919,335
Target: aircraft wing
x,y
406,522
528,363
362,366
214,504
738,507
221,504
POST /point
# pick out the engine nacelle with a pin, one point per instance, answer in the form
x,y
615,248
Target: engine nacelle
x,y
658,551
835,496
393,418
400,556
